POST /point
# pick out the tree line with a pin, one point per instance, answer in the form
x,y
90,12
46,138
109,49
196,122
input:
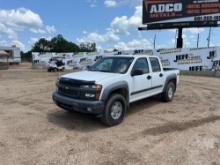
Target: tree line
x,y
57,44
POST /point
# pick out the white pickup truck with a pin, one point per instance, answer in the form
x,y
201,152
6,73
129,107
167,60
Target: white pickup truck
x,y
108,87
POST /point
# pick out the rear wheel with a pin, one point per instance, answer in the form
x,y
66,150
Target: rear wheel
x,y
169,92
115,110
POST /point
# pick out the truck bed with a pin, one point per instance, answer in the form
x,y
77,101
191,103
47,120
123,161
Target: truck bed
x,y
169,69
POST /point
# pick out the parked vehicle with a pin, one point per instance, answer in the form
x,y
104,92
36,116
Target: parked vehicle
x,y
56,65
112,83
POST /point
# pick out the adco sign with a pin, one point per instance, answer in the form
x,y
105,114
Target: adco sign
x,y
181,13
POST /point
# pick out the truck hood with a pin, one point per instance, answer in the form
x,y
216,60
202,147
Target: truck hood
x,y
98,77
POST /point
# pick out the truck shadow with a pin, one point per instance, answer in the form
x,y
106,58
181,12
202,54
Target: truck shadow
x,y
74,121
143,105
87,123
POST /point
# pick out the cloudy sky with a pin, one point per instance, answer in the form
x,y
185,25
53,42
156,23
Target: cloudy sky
x,y
109,23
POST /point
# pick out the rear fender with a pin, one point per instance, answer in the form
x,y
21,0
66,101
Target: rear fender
x,y
168,79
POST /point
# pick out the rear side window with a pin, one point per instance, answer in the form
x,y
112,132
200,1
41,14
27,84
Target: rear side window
x,y
155,64
141,64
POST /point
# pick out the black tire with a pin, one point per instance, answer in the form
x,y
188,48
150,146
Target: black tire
x,y
107,117
168,95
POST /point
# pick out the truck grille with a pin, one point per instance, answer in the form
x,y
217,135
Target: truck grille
x,y
69,92
71,88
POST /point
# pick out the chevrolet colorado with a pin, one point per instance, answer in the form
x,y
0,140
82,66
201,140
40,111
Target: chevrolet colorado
x,y
108,87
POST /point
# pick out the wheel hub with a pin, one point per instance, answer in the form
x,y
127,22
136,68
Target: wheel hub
x,y
116,110
170,93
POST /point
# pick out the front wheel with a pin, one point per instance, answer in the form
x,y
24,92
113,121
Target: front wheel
x,y
115,110
169,92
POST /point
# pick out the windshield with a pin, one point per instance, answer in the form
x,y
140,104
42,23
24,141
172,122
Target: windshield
x,y
112,65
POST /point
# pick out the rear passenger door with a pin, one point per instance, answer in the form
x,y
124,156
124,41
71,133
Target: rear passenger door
x,y
141,84
158,78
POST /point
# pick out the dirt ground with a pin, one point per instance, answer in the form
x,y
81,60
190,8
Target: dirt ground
x,y
34,131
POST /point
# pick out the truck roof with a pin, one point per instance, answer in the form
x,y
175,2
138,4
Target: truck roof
x,y
130,55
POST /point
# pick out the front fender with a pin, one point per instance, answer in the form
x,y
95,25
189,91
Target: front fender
x,y
116,86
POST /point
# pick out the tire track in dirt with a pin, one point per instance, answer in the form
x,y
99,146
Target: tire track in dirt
x,y
171,127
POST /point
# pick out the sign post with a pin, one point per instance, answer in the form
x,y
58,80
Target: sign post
x,y
180,38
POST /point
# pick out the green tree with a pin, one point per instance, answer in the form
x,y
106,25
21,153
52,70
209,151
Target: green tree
x,y
88,47
60,44
42,45
26,57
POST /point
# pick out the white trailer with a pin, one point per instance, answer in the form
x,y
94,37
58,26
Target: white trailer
x,y
197,59
189,59
71,60
14,54
186,59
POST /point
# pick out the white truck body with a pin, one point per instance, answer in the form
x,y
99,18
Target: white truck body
x,y
135,83
94,91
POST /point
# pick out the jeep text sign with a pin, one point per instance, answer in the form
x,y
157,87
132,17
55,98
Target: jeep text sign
x,y
181,12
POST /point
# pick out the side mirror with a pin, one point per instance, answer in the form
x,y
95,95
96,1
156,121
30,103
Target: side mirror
x,y
89,68
137,72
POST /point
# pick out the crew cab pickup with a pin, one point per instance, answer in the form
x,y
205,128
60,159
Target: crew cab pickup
x,y
108,87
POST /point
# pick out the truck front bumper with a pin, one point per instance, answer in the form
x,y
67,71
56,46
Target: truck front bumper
x,y
83,106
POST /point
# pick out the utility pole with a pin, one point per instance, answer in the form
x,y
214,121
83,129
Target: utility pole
x,y
198,40
155,37
175,39
209,37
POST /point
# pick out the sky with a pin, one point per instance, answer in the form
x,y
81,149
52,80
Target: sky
x,y
109,23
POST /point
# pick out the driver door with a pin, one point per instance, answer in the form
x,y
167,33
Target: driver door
x,y
141,81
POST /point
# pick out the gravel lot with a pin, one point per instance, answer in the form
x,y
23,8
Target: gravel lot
x,y
34,131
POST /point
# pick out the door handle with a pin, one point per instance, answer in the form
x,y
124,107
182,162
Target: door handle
x,y
149,77
161,75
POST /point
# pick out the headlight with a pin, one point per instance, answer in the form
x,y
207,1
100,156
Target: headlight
x,y
92,91
96,86
88,86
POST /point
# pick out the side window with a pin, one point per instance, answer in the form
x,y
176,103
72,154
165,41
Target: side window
x,y
155,64
141,64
